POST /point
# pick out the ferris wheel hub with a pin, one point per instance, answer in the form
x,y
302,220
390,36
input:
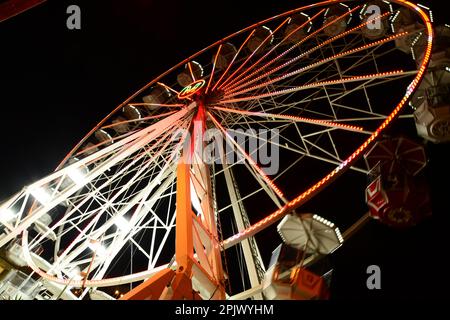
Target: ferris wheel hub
x,y
197,92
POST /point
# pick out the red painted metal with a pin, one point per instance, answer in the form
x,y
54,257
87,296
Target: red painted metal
x,y
12,8
399,201
399,195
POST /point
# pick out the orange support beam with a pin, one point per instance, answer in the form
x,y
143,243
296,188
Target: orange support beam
x,y
184,236
153,288
177,285
169,284
202,185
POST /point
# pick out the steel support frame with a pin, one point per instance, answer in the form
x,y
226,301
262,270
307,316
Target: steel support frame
x,y
199,273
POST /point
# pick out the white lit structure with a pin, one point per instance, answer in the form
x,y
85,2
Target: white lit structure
x,y
310,233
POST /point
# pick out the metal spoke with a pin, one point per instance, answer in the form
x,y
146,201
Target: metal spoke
x,y
319,84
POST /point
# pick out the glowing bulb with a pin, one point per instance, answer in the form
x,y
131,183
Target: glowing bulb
x,y
75,274
77,176
6,215
123,224
41,195
97,247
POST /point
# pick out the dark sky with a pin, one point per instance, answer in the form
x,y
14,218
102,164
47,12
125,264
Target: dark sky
x,y
56,84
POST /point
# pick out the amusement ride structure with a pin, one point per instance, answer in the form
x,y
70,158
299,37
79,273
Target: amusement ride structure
x,y
144,198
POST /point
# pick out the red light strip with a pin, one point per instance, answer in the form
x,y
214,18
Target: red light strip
x,y
312,191
233,92
273,49
213,69
234,58
230,86
269,182
319,122
315,85
253,53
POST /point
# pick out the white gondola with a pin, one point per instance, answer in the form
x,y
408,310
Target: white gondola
x,y
340,25
225,56
288,279
262,37
88,149
104,136
16,285
432,100
371,13
158,95
131,112
310,233
191,70
293,32
405,21
120,125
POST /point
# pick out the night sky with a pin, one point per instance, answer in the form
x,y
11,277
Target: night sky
x,y
56,84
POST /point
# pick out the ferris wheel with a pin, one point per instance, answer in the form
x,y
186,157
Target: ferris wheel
x,y
254,125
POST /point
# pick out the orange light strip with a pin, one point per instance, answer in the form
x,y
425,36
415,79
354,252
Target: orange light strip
x,y
273,49
156,104
179,65
234,88
253,53
230,86
137,120
234,59
213,69
269,182
168,88
319,122
315,85
104,142
316,188
192,73
233,92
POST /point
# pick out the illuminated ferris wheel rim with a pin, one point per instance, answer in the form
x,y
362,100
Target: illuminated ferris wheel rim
x,y
224,40
291,205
